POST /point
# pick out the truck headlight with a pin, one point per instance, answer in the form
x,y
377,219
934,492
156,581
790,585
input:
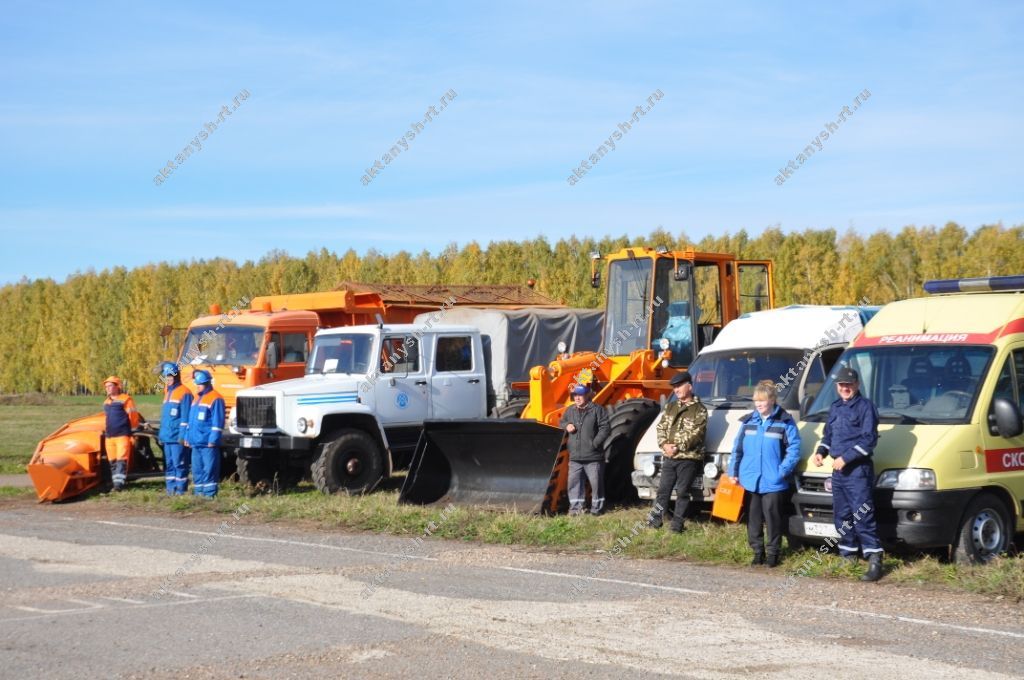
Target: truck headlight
x,y
909,479
301,425
650,468
711,470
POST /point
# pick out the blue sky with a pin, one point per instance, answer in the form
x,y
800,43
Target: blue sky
x,y
98,97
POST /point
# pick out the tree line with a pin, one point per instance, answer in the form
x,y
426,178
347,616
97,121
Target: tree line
x,y
66,337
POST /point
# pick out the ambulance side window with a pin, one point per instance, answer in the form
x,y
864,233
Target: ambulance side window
x,y
1011,379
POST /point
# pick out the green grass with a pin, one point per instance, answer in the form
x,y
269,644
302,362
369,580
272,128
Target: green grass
x,y
26,419
705,541
16,492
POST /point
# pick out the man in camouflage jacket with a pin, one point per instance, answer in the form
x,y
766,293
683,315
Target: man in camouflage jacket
x,y
681,439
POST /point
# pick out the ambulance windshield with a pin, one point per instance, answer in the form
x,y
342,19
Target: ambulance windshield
x,y
913,383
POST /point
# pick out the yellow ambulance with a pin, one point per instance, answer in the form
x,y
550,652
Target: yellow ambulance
x,y
946,373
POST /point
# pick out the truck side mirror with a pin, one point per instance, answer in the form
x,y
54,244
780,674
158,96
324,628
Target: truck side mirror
x,y
682,272
1008,419
271,355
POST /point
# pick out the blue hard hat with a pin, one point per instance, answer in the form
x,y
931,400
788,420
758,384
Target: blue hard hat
x,y
202,377
580,390
168,368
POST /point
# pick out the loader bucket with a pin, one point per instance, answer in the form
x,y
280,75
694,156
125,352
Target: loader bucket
x,y
67,463
510,462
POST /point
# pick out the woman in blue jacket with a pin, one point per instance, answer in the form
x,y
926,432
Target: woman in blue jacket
x,y
767,449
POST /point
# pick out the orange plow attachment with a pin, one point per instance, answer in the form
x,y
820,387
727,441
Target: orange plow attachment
x,y
67,463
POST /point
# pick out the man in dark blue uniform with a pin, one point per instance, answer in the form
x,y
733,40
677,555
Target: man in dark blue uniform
x,y
851,433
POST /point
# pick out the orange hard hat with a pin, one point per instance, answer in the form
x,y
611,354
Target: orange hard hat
x,y
113,379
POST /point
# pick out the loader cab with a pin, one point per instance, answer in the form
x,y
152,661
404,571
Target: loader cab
x,y
678,302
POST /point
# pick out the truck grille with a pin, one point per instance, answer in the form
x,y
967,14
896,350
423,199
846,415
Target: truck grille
x,y
256,412
813,484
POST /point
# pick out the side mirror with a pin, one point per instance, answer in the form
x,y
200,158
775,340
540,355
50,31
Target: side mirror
x,y
271,355
682,272
805,405
1008,419
595,279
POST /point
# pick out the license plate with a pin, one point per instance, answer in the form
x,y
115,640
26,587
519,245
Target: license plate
x,y
251,442
820,529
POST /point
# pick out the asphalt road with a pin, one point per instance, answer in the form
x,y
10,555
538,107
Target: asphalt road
x,y
85,593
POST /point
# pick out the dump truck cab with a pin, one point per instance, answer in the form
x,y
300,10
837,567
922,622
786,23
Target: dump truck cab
x,y
795,347
357,412
946,373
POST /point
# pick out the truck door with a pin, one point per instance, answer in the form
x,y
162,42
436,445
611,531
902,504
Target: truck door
x,y
458,386
401,390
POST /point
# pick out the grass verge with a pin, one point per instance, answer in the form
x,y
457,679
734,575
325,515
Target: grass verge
x,y
708,542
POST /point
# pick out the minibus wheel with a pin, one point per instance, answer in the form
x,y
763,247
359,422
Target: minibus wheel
x,y
984,531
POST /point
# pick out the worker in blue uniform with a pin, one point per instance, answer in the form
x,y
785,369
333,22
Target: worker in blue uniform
x,y
851,433
203,434
173,422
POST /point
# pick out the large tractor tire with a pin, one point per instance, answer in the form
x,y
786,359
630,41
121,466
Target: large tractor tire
x,y
985,531
350,463
513,409
629,421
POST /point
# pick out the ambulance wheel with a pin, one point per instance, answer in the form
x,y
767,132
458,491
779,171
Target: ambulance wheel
x,y
351,463
628,421
985,531
256,475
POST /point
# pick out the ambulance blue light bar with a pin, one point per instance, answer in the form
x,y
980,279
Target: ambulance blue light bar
x,y
980,285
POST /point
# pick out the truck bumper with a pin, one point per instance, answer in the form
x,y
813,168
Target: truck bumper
x,y
253,447
647,487
906,519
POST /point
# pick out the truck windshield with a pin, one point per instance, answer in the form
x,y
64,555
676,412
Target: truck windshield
x,y
913,383
732,375
341,353
235,345
673,315
626,315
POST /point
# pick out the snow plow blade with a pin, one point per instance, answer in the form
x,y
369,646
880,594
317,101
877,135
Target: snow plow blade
x,y
507,462
67,463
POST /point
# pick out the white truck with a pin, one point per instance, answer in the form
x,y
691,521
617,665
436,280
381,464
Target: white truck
x,y
357,414
794,346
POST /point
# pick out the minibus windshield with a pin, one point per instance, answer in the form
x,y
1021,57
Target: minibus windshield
x,y
731,376
913,383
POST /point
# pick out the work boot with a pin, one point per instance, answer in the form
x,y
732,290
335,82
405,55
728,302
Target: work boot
x,y
874,571
773,560
758,559
851,559
678,529
653,522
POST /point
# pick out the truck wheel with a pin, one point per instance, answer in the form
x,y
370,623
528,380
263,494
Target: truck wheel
x,y
351,463
512,409
256,475
984,531
628,421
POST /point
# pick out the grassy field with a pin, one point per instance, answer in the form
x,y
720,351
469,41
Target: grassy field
x,y
26,419
23,424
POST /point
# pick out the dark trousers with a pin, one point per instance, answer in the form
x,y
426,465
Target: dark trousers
x,y
579,474
854,507
766,509
678,476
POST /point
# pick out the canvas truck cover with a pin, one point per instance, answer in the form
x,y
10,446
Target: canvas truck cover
x,y
516,340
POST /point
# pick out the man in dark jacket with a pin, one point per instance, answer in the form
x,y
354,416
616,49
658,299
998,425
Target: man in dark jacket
x,y
587,425
849,438
681,439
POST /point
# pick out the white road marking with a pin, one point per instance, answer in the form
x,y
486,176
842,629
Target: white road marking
x,y
50,614
122,599
637,584
907,619
89,606
181,594
268,540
